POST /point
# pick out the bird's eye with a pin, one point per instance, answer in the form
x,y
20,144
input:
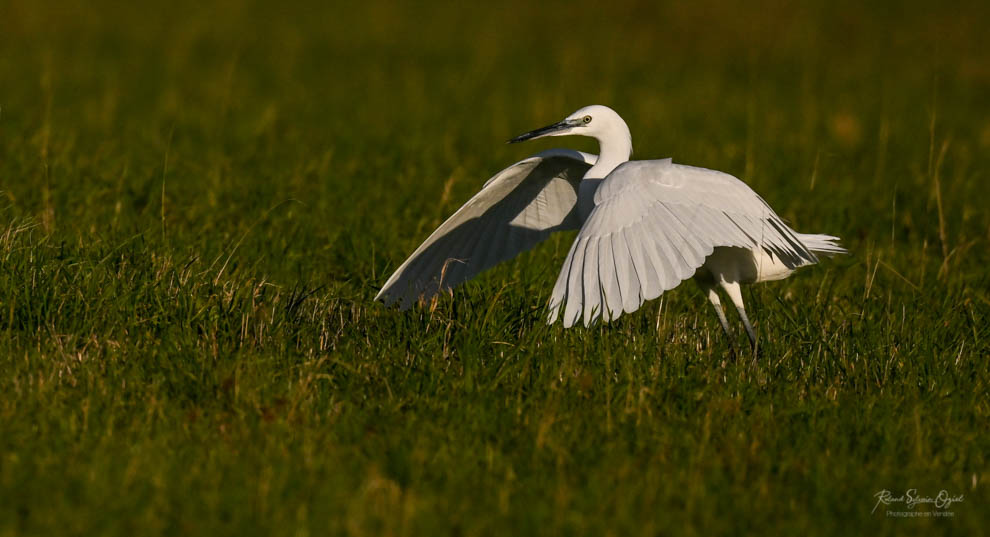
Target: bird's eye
x,y
586,119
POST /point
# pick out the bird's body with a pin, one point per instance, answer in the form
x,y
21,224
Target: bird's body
x,y
643,227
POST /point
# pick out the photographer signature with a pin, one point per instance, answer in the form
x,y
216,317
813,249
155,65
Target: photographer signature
x,y
911,499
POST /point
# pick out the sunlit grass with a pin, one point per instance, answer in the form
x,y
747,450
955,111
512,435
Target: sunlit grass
x,y
199,201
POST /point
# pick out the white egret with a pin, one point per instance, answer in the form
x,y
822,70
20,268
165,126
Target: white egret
x,y
644,227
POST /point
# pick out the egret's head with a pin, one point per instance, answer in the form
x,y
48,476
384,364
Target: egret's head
x,y
596,121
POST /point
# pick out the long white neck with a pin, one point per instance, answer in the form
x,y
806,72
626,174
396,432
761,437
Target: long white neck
x,y
615,147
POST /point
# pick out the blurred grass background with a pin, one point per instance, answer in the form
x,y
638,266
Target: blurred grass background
x,y
198,201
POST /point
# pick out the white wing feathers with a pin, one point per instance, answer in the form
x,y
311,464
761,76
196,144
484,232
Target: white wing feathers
x,y
516,209
653,225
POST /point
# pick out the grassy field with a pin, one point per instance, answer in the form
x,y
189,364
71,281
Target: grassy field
x,y
199,200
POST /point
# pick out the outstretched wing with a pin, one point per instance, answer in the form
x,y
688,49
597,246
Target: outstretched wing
x,y
653,225
516,209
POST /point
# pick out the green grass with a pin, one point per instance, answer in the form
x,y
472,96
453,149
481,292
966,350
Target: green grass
x,y
199,201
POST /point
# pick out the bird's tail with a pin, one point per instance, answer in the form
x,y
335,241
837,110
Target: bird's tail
x,y
826,245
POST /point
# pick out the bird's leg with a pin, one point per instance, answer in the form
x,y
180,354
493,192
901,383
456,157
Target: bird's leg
x,y
717,304
735,294
749,329
709,289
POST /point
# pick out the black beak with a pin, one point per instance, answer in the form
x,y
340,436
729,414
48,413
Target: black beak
x,y
543,131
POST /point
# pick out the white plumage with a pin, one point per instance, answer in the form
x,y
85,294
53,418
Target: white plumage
x,y
516,210
645,226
